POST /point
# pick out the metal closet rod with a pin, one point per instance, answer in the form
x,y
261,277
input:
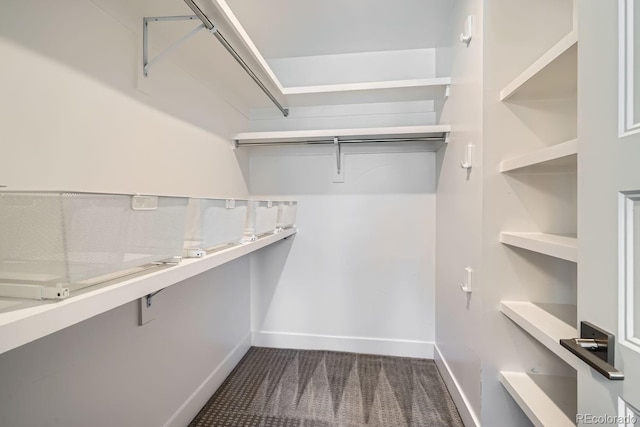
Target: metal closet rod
x,y
341,141
212,28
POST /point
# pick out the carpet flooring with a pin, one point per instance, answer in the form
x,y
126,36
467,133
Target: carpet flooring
x,y
287,388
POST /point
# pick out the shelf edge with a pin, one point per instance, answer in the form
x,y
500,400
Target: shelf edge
x,y
533,401
22,326
348,87
546,329
324,133
561,247
554,152
539,64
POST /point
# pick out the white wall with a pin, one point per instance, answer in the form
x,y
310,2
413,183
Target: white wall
x,y
459,332
348,116
73,119
359,275
69,120
108,371
355,67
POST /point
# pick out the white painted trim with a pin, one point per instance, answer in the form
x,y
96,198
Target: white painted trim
x,y
203,393
382,346
626,84
627,413
627,273
468,415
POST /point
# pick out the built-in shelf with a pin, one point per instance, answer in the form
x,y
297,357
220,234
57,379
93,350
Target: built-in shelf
x,y
555,157
554,73
558,246
530,391
433,136
547,323
365,92
21,324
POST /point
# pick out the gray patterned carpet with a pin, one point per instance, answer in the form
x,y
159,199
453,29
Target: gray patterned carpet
x,y
286,388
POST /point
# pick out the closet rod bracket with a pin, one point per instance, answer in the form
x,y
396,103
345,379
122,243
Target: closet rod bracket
x,y
336,142
146,62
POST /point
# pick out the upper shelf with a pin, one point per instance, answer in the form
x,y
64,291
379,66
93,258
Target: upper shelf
x,y
38,319
553,74
550,158
434,136
563,247
366,92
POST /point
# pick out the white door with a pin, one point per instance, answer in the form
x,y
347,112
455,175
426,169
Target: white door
x,y
609,202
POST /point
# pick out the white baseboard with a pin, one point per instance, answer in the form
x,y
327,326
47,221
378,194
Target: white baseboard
x,y
468,415
203,393
387,347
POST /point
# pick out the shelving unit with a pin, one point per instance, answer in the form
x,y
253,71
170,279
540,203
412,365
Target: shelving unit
x,y
563,247
35,320
547,323
433,136
538,108
528,390
556,157
553,73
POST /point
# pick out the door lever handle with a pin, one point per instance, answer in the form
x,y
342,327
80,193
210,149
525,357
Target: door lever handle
x,y
595,347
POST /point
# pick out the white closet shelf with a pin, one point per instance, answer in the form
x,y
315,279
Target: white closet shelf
x,y
547,328
23,325
528,390
365,92
558,246
554,73
556,157
441,82
436,133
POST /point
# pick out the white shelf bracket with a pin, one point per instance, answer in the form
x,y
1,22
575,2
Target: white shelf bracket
x,y
447,137
447,91
146,62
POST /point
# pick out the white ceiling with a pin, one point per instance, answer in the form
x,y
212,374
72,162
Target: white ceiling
x,y
291,28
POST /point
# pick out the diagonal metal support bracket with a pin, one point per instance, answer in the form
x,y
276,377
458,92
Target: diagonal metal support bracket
x,y
146,62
